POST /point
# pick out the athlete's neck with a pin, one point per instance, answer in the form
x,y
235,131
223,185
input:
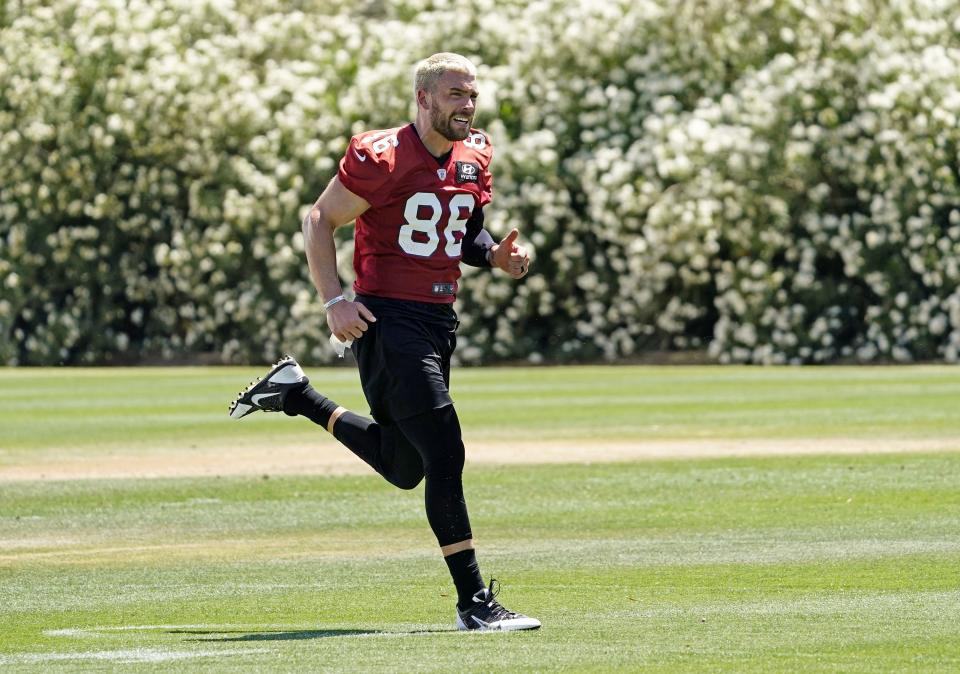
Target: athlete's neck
x,y
436,144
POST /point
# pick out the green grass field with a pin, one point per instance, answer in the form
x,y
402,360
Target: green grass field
x,y
803,563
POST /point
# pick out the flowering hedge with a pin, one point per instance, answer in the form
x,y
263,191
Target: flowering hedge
x,y
772,181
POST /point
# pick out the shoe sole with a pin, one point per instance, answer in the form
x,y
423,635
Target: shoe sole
x,y
512,625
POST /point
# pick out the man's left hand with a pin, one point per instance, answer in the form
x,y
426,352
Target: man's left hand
x,y
511,257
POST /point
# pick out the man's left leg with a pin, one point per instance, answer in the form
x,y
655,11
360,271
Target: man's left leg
x,y
436,435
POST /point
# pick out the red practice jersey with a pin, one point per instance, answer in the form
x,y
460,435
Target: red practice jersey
x,y
407,244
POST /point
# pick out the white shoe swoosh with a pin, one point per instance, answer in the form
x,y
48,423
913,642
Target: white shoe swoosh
x,y
260,396
361,157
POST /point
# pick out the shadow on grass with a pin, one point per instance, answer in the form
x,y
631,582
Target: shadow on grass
x,y
285,635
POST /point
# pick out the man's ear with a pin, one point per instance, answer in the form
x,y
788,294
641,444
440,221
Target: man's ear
x,y
423,99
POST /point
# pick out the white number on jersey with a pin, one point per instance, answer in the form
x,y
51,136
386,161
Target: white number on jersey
x,y
415,223
427,226
382,143
477,140
456,223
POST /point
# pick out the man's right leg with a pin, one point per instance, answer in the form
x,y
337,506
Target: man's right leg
x,y
383,447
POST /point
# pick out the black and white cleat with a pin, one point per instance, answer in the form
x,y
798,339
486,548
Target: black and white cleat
x,y
267,394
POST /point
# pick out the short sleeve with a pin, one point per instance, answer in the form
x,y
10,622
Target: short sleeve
x,y
481,146
486,186
365,173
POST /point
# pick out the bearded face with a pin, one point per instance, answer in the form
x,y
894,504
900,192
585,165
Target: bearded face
x,y
452,126
453,104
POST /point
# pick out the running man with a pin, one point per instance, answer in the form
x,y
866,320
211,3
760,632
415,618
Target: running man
x,y
417,194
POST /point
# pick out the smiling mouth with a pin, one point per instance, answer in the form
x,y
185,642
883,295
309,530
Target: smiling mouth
x,y
461,119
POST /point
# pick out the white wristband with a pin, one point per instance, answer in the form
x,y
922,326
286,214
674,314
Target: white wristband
x,y
335,300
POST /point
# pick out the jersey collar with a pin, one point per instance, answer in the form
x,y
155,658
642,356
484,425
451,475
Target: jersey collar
x,y
424,153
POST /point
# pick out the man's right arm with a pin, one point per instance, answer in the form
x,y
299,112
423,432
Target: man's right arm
x,y
337,206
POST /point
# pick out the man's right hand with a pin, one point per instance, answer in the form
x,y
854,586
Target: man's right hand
x,y
348,320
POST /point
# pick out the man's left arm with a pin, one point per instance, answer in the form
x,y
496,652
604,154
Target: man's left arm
x,y
477,241
480,249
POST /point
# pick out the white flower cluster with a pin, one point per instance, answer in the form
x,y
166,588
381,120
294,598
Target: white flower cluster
x,y
156,158
773,181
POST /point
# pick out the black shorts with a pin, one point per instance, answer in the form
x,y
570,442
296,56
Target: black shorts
x,y
404,357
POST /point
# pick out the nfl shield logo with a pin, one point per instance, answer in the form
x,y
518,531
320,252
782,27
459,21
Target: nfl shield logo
x,y
442,174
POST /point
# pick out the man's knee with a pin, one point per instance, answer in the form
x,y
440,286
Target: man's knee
x,y
437,438
408,479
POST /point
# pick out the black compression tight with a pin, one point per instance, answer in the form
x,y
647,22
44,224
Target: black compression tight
x,y
428,445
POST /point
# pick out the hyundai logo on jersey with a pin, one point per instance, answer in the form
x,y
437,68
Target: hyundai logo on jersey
x,y
468,172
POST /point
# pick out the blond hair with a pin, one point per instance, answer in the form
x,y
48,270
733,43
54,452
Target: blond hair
x,y
432,68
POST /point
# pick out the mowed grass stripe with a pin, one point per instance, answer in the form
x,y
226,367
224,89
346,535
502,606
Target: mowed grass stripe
x,y
650,499
138,409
